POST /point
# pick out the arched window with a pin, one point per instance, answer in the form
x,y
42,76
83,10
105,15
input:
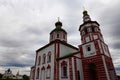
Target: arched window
x,y
48,72
44,56
39,60
85,30
57,35
63,36
64,69
49,57
88,48
93,29
43,73
37,76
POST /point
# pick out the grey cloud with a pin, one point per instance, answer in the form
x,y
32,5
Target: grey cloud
x,y
116,45
116,31
11,43
13,57
25,25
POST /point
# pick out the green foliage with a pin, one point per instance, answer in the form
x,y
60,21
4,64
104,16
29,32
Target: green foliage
x,y
25,77
118,77
10,79
1,75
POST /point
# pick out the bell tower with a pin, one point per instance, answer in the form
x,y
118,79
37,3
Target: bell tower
x,y
96,59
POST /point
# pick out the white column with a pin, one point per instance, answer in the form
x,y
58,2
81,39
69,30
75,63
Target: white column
x,y
106,71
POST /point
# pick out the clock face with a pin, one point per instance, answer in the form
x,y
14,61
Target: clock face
x,y
89,49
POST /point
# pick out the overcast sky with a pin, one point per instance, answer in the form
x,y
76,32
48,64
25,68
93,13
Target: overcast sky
x,y
25,26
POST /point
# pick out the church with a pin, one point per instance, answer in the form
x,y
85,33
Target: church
x,y
59,60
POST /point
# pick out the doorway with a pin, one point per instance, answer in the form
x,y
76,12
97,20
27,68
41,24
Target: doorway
x,y
92,71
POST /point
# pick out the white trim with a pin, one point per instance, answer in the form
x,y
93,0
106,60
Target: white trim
x,y
73,68
81,71
106,71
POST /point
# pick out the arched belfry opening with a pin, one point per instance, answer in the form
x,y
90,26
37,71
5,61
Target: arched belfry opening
x,y
92,70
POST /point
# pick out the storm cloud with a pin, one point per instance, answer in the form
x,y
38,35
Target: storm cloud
x,y
25,26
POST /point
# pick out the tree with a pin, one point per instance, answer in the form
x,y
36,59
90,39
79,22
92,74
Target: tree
x,y
1,75
118,77
25,77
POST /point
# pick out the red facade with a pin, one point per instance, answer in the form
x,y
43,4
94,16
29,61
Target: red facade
x,y
96,59
92,61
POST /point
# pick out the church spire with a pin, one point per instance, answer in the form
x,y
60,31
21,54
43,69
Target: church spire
x,y
86,17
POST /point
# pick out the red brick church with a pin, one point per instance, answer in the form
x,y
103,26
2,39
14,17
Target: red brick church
x,y
59,60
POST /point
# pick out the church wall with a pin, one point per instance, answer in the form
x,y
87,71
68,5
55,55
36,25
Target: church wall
x,y
44,66
94,61
32,73
65,50
87,53
60,69
79,68
61,37
77,55
73,68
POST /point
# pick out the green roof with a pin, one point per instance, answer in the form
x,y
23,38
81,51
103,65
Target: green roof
x,y
58,29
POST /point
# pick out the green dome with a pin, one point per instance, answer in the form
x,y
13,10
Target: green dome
x,y
58,29
58,23
84,12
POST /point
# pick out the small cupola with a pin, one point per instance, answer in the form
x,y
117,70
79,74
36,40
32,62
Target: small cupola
x,y
86,17
58,24
58,33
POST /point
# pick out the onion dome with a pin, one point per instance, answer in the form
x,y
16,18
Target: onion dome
x,y
58,23
86,17
58,33
84,12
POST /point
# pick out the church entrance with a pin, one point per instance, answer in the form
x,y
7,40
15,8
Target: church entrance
x,y
92,71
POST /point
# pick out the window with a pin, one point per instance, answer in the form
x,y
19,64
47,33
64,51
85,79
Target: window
x,y
44,56
64,69
48,72
93,29
82,33
51,36
85,30
57,35
49,57
37,77
88,48
63,36
39,60
105,47
43,73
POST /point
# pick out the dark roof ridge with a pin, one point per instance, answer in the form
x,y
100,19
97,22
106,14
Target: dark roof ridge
x,y
57,41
